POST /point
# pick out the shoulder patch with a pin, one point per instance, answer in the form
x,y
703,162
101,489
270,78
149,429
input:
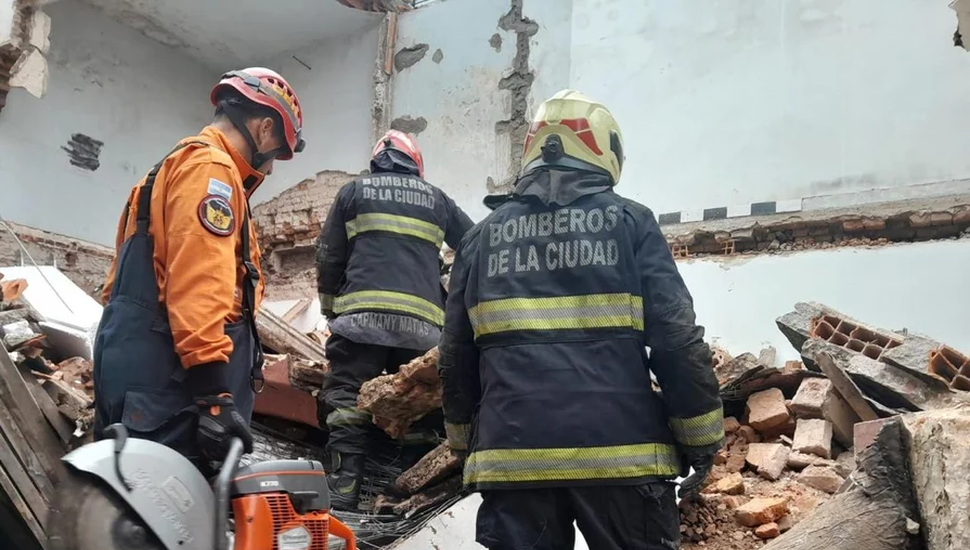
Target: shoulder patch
x,y
222,189
215,213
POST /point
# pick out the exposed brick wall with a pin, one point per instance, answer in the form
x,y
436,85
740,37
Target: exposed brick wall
x,y
84,263
288,226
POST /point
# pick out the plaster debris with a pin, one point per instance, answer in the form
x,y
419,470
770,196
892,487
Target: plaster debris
x,y
438,56
408,125
408,57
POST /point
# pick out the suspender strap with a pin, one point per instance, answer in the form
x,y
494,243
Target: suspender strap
x,y
143,214
249,303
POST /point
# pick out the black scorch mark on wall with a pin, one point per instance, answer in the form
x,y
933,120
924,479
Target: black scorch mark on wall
x,y
84,151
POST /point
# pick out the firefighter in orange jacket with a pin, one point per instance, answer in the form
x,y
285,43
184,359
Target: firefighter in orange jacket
x,y
177,356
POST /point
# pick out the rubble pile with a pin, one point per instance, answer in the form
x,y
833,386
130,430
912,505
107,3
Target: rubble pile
x,y
66,378
799,437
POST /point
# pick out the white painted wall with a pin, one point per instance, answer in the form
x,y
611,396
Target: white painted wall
x,y
920,287
722,103
337,94
111,83
459,97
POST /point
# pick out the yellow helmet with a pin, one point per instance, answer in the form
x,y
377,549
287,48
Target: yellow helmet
x,y
573,131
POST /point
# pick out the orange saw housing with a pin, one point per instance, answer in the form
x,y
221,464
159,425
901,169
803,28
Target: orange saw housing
x,y
284,505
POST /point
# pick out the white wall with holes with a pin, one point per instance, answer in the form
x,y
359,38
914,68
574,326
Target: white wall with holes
x,y
114,85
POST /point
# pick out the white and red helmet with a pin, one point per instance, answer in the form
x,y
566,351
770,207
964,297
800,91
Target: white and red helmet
x,y
268,88
395,140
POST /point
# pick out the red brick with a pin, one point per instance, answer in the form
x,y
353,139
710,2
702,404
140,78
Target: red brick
x,y
767,531
731,425
941,218
757,453
875,224
748,434
281,400
851,226
773,462
760,511
766,409
962,216
920,219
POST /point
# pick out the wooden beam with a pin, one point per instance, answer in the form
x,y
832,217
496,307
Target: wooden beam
x,y
8,487
296,310
23,488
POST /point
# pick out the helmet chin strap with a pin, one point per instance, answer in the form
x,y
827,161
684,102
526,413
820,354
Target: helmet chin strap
x,y
236,117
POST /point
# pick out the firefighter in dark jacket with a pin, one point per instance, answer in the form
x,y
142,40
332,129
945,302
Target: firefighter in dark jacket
x,y
554,300
378,275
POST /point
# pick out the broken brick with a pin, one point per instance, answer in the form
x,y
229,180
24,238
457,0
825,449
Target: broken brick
x,y
767,531
760,511
800,461
398,400
813,436
732,502
823,478
773,462
748,434
810,397
766,409
784,430
733,484
735,461
757,452
731,425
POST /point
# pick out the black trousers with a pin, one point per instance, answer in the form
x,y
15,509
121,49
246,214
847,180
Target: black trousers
x,y
351,365
643,517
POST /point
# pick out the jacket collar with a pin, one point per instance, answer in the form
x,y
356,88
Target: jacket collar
x,y
250,177
560,187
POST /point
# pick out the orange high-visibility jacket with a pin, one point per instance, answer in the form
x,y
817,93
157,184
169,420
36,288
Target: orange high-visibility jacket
x,y
198,270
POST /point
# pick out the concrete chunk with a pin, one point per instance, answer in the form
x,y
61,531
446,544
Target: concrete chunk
x,y
813,436
760,511
757,453
822,478
732,484
837,411
40,30
939,459
766,409
30,73
866,433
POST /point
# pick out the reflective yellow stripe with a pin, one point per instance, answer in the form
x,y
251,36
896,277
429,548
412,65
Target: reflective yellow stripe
x,y
572,464
402,225
622,310
348,417
699,431
326,302
386,300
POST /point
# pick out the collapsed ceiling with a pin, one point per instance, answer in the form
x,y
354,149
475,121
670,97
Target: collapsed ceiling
x,y
240,33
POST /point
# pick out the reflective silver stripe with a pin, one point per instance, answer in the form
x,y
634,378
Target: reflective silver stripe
x,y
348,417
532,465
368,300
558,313
392,223
701,430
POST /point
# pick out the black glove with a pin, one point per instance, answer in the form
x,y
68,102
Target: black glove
x,y
702,463
219,421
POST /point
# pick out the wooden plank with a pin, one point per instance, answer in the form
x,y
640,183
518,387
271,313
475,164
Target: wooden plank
x,y
280,336
846,387
48,408
7,485
31,463
24,488
296,310
29,419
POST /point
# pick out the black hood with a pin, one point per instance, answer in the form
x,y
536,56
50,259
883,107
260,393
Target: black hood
x,y
560,187
390,160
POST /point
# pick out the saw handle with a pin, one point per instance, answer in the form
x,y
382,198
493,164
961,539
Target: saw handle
x,y
222,487
340,530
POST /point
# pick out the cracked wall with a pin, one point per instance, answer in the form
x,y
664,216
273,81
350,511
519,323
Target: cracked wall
x,y
471,105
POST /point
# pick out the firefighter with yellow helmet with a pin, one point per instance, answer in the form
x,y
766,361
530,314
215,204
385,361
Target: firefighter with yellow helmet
x,y
561,304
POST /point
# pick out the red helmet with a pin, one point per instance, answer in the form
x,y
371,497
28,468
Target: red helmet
x,y
396,140
268,88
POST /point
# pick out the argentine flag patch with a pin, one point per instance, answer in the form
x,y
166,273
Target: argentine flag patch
x,y
220,189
